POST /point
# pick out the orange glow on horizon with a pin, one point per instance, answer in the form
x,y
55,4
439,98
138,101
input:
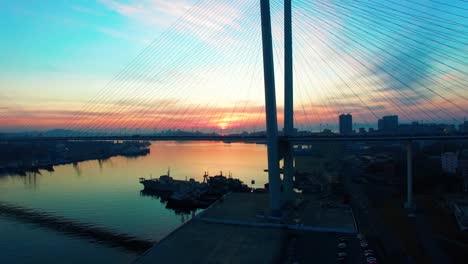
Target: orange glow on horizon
x,y
203,119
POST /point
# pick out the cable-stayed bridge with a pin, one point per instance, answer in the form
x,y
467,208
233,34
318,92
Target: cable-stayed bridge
x,y
217,68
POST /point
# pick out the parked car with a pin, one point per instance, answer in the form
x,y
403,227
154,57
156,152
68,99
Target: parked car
x,y
360,236
341,260
343,239
342,245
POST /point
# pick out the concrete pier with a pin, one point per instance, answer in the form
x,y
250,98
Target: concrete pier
x,y
239,230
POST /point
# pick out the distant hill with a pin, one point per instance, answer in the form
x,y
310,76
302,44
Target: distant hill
x,y
58,133
49,133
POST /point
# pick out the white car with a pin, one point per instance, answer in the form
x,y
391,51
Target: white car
x,y
364,244
342,245
342,254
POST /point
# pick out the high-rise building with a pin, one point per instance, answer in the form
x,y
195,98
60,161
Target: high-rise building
x,y
463,165
449,162
388,124
346,124
463,128
380,125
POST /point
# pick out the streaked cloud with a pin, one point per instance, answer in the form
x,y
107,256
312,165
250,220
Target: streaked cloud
x,y
151,12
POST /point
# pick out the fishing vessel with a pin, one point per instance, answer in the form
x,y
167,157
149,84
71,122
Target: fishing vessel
x,y
165,183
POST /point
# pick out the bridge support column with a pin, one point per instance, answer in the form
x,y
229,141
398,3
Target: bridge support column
x,y
274,179
288,180
409,176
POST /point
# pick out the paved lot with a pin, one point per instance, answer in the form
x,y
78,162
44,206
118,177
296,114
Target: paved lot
x,y
250,207
247,241
200,242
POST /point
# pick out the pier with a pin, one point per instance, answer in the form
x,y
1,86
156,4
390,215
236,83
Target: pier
x,y
229,233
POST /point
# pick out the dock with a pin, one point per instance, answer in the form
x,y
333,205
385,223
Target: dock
x,y
238,229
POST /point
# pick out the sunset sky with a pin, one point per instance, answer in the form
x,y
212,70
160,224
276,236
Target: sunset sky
x,y
196,65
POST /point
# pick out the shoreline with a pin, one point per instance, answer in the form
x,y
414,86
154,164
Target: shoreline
x,y
64,153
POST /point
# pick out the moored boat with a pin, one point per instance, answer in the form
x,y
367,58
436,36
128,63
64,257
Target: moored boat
x,y
165,183
191,193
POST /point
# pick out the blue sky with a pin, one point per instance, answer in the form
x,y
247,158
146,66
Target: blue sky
x,y
55,55
41,39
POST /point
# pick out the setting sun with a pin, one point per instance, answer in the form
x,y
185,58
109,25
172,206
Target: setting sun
x,y
223,125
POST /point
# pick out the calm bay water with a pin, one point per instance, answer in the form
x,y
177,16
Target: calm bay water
x,y
107,194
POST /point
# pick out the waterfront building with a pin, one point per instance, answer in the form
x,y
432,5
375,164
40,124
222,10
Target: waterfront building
x,y
388,124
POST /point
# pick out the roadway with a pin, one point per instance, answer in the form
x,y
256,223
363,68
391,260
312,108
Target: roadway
x,y
369,221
